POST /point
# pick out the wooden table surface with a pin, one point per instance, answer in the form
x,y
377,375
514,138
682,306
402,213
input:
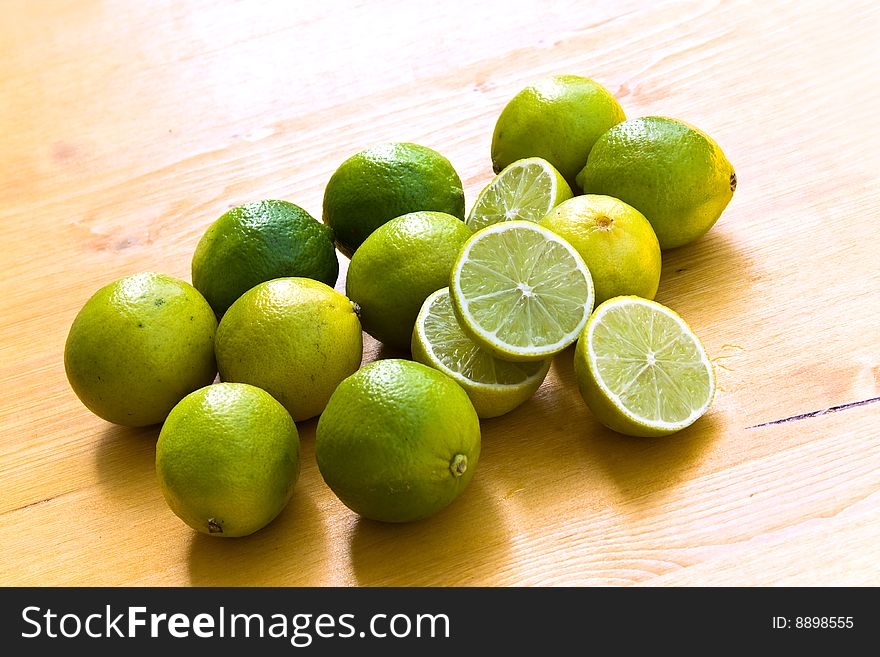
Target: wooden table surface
x,y
128,127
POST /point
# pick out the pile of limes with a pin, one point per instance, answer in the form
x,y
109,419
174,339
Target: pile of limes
x,y
563,245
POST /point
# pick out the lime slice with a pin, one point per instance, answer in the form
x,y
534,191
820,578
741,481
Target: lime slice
x,y
521,291
495,386
527,189
641,369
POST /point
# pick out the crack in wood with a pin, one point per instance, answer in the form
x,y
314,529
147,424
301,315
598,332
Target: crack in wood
x,y
821,411
29,505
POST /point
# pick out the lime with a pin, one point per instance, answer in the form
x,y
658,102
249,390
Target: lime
x,y
521,291
227,459
294,337
399,441
558,118
641,369
527,189
138,346
387,181
495,386
615,240
399,265
257,242
673,173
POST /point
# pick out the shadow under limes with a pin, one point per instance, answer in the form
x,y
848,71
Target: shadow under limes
x,y
125,461
640,468
460,546
282,553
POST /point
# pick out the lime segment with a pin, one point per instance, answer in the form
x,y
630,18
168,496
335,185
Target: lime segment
x,y
521,291
527,189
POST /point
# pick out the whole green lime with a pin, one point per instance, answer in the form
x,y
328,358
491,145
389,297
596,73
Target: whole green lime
x,y
398,442
227,459
257,242
558,118
398,266
138,346
296,338
673,173
614,239
387,181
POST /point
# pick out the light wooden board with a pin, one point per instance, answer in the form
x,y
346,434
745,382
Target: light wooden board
x,y
128,127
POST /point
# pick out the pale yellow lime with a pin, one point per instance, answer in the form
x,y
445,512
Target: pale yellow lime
x,y
614,239
140,345
295,338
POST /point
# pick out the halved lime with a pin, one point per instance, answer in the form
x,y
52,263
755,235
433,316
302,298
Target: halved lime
x,y
641,369
526,189
495,386
521,291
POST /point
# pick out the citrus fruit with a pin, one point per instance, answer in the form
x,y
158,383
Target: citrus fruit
x,y
520,291
294,337
527,189
387,181
641,369
614,239
398,442
494,386
257,242
227,459
673,173
138,346
558,118
399,265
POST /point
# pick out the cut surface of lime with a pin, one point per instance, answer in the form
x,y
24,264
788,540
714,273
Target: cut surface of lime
x,y
641,369
494,386
526,189
521,291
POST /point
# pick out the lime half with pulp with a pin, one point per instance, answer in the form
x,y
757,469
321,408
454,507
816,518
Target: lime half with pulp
x,y
526,189
494,386
521,291
641,369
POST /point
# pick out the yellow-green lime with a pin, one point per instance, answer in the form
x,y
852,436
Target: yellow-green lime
x,y
399,441
398,266
494,386
294,337
614,239
138,346
521,291
384,182
558,118
227,459
257,242
527,189
673,173
641,369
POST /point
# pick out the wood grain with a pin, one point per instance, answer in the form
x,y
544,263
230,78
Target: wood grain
x,y
128,127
